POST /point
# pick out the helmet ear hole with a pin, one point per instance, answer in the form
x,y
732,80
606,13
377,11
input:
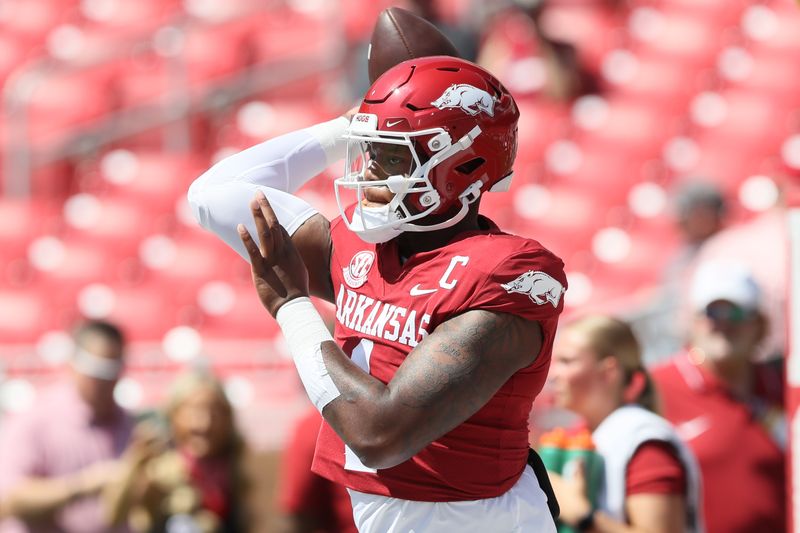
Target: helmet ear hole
x,y
470,166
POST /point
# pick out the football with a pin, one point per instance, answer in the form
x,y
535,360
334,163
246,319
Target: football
x,y
399,35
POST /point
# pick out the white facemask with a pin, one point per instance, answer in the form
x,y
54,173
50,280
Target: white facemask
x,y
373,224
381,224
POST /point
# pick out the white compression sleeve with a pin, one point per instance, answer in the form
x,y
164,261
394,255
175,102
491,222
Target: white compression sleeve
x,y
305,332
220,197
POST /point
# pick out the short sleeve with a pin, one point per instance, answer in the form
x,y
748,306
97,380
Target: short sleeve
x,y
530,282
655,469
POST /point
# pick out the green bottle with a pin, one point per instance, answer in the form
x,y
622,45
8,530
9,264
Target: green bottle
x,y
580,447
551,449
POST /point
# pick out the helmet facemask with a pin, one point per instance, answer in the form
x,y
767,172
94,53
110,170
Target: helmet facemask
x,y
395,162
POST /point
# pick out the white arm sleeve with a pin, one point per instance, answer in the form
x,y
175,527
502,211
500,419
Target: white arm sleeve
x,y
220,197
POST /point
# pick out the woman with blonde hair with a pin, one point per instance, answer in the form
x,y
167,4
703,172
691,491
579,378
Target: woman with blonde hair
x,y
189,478
650,481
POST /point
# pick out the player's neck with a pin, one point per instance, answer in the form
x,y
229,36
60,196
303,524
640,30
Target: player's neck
x,y
410,243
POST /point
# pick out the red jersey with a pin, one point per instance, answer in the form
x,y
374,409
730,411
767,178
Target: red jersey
x,y
384,307
307,494
742,465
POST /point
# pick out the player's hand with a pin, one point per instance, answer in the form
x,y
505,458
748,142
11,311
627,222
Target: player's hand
x,y
279,273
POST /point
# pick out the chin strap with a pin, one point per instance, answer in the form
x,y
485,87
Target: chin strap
x,y
468,197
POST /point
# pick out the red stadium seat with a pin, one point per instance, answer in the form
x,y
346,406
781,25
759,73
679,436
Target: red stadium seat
x,y
246,318
772,28
562,217
50,105
31,20
745,121
130,17
65,265
776,78
25,314
637,127
258,120
601,168
23,220
145,310
211,53
150,178
713,12
202,57
13,53
680,38
116,222
189,261
662,84
358,17
540,123
143,80
289,35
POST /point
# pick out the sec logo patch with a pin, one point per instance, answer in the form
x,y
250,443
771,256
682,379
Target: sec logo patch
x,y
355,274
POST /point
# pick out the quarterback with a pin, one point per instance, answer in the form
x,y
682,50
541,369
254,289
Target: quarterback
x,y
444,323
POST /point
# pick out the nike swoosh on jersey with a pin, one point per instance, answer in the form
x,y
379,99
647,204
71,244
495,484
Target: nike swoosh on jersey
x,y
416,291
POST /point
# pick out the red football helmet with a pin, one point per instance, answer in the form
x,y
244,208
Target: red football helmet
x,y
437,132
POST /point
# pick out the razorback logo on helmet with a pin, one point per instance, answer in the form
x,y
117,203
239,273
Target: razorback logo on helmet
x,y
355,274
539,286
470,99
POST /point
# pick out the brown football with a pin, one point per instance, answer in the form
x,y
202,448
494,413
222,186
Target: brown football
x,y
399,35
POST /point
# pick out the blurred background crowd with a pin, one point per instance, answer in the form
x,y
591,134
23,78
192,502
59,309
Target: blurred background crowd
x,y
655,136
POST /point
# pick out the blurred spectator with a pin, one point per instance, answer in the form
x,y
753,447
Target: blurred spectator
x,y
57,457
699,210
651,480
309,502
728,408
191,477
761,244
520,51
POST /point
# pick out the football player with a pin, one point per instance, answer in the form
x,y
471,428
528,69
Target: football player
x,y
444,323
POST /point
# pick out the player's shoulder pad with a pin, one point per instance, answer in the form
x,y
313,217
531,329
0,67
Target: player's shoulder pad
x,y
525,275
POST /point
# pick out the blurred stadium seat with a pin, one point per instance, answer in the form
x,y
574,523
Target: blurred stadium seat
x,y
147,177
687,87
21,221
25,314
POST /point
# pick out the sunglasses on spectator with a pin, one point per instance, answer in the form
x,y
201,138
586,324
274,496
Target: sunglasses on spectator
x,y
728,312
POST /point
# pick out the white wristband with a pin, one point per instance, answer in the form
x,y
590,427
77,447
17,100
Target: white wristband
x,y
305,332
